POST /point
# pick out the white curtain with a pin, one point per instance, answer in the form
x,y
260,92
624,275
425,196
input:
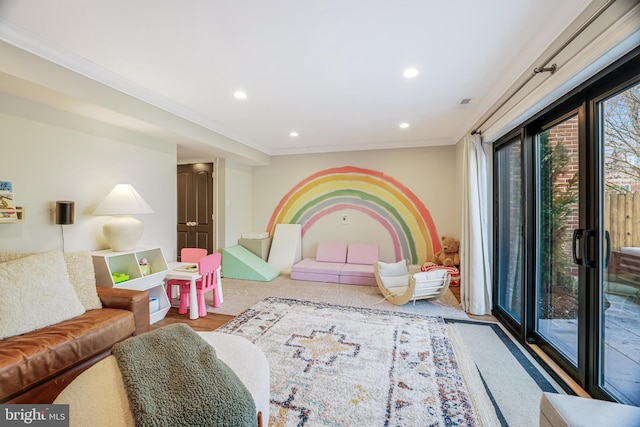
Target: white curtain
x,y
475,255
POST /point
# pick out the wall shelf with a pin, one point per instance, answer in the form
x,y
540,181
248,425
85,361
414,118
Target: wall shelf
x,y
19,213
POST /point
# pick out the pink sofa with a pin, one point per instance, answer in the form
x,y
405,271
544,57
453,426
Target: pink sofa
x,y
338,262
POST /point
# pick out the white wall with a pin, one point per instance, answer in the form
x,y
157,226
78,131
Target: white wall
x,y
430,173
238,203
48,163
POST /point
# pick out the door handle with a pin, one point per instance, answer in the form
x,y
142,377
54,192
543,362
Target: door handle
x,y
607,253
577,235
589,235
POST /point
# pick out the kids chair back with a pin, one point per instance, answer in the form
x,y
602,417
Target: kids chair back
x,y
186,255
207,268
192,254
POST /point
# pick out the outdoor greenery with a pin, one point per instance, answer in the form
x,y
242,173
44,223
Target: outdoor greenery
x,y
558,198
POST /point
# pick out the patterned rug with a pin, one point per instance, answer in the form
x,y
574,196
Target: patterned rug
x,y
346,366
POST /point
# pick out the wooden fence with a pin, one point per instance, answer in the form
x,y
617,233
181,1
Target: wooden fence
x,y
622,219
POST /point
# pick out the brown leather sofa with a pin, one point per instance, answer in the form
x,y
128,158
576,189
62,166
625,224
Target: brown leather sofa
x,y
36,366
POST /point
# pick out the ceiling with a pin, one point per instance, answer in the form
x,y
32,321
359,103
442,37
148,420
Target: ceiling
x,y
329,70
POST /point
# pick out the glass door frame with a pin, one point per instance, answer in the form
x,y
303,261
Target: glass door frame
x,y
584,98
515,327
574,107
625,77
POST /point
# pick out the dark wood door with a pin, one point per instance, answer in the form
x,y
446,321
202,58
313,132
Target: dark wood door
x,y
195,206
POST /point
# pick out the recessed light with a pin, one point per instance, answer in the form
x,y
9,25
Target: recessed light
x,y
404,125
240,95
293,134
410,72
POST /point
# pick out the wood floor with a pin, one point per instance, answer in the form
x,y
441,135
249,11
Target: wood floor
x,y
455,290
210,322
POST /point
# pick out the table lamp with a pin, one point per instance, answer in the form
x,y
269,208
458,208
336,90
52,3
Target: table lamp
x,y
123,232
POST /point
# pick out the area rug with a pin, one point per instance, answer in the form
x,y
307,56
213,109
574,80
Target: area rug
x,y
351,366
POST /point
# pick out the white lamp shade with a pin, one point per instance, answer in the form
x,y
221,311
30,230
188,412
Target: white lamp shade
x,y
123,200
123,232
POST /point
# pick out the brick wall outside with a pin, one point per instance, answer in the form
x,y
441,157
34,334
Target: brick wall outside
x,y
567,134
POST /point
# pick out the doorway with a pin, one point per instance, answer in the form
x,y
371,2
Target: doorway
x,y
196,206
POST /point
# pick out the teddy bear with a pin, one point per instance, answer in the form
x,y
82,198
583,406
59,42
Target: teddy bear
x,y
448,255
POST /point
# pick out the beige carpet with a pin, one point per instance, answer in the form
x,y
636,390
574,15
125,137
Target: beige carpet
x,y
516,381
242,294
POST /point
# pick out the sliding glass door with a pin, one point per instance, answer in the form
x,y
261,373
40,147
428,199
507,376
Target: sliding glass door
x,y
558,220
567,233
509,243
618,122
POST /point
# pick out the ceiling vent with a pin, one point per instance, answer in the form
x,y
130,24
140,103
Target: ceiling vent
x,y
463,102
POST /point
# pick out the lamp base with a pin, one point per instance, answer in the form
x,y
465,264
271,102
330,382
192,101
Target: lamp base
x,y
123,233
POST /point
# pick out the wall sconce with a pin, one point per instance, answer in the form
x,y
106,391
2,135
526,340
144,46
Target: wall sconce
x,y
65,212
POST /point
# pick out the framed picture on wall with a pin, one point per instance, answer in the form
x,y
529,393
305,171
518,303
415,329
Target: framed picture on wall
x,y
7,204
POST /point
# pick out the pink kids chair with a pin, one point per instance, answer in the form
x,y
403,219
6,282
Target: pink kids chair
x,y
207,268
186,255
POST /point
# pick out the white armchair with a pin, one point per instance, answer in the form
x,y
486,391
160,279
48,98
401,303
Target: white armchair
x,y
399,284
563,410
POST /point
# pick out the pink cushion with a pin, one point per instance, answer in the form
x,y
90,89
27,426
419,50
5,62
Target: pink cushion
x,y
310,269
358,280
315,277
310,265
331,252
362,253
364,270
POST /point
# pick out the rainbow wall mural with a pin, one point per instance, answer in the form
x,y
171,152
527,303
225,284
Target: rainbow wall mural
x,y
381,197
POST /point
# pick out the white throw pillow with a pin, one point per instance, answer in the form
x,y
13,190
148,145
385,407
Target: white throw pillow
x,y
395,281
83,278
393,269
36,292
81,274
